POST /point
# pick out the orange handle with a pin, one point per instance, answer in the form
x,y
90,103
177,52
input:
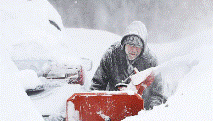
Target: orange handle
x,y
147,82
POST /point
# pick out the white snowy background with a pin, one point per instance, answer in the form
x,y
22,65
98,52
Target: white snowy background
x,y
27,34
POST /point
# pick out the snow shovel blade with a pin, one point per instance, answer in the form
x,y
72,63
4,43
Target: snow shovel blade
x,y
103,106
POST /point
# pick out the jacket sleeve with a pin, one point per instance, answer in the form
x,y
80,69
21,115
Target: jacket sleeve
x,y
102,76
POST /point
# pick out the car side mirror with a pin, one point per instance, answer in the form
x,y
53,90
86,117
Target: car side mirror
x,y
87,63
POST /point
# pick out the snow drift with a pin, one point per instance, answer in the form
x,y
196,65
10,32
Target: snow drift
x,y
190,96
15,104
193,97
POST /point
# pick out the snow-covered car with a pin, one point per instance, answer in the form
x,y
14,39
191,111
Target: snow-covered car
x,y
37,42
72,74
32,33
54,74
52,70
34,38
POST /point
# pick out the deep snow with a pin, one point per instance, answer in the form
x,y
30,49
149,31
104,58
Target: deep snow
x,y
191,97
14,102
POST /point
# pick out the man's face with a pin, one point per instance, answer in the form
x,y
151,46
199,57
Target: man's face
x,y
132,51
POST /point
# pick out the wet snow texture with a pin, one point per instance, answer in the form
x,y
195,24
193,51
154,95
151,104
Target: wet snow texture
x,y
193,98
191,94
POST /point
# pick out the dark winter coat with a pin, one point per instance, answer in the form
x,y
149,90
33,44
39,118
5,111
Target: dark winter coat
x,y
115,67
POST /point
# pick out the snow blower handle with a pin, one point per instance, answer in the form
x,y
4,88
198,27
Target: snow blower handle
x,y
140,76
124,83
142,79
136,70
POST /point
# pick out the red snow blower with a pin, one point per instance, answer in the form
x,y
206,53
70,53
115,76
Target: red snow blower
x,y
106,105
103,106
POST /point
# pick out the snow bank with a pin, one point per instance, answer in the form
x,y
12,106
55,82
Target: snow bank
x,y
54,102
31,30
15,104
167,51
193,98
32,35
29,37
29,79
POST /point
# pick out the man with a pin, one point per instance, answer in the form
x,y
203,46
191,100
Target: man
x,y
119,61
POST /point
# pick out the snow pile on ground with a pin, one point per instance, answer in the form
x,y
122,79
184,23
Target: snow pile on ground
x,y
15,104
181,47
191,101
31,30
26,30
29,79
54,102
193,98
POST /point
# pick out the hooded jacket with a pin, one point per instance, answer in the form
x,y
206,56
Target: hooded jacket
x,y
115,67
